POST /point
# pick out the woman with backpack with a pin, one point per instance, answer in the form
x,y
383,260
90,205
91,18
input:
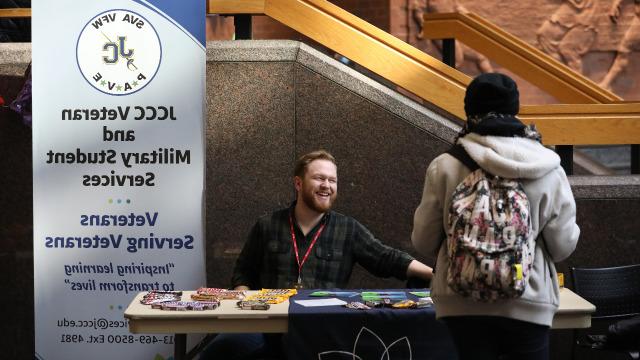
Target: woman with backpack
x,y
496,212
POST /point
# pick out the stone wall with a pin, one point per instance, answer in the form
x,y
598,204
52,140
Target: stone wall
x,y
269,102
382,142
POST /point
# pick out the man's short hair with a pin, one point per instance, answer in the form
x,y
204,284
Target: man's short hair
x,y
304,160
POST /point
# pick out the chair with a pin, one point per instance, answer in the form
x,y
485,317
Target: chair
x,y
615,291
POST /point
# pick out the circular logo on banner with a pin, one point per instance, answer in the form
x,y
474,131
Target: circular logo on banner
x,y
118,52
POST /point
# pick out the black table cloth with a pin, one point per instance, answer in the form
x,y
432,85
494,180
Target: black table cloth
x,y
341,333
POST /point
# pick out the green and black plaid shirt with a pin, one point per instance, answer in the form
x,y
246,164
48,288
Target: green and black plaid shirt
x,y
268,259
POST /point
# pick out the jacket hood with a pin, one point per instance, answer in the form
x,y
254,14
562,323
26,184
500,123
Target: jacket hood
x,y
510,157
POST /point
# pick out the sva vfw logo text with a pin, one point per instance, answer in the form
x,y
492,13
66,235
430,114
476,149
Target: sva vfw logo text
x,y
118,52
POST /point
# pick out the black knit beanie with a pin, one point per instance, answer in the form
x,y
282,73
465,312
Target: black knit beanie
x,y
492,92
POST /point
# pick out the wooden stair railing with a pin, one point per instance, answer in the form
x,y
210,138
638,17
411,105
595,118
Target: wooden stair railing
x,y
378,51
589,123
521,58
585,124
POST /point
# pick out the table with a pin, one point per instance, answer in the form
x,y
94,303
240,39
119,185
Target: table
x,y
574,312
227,318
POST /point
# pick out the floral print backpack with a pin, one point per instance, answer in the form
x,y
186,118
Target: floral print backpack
x,y
489,243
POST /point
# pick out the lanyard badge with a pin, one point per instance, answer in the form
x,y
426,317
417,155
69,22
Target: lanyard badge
x,y
295,248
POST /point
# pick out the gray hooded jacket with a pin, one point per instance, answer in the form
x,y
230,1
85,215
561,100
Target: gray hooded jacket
x,y
553,223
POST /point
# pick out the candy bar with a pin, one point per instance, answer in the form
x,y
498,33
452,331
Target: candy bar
x,y
253,305
357,305
186,305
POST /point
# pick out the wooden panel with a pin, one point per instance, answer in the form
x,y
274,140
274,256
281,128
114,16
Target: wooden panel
x,y
255,7
574,109
15,13
585,124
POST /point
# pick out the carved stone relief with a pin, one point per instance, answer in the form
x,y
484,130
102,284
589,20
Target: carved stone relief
x,y
598,38
625,47
569,32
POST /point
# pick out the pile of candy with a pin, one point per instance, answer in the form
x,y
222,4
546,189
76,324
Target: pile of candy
x,y
402,304
272,296
171,300
215,294
187,305
357,305
156,297
392,299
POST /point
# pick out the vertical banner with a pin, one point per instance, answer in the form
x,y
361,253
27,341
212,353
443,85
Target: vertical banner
x,y
118,168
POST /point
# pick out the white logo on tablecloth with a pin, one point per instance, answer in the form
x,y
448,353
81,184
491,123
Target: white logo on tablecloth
x,y
363,334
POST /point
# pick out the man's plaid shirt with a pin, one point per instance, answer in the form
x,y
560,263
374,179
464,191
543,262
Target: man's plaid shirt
x,y
268,259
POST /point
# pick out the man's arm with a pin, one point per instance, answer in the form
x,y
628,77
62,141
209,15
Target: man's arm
x,y
384,261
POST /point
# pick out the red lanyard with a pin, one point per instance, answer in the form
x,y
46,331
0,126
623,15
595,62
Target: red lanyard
x,y
295,246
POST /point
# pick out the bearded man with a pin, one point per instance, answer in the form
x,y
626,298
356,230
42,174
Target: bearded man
x,y
309,245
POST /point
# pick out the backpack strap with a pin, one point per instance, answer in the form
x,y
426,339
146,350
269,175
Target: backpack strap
x,y
458,152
